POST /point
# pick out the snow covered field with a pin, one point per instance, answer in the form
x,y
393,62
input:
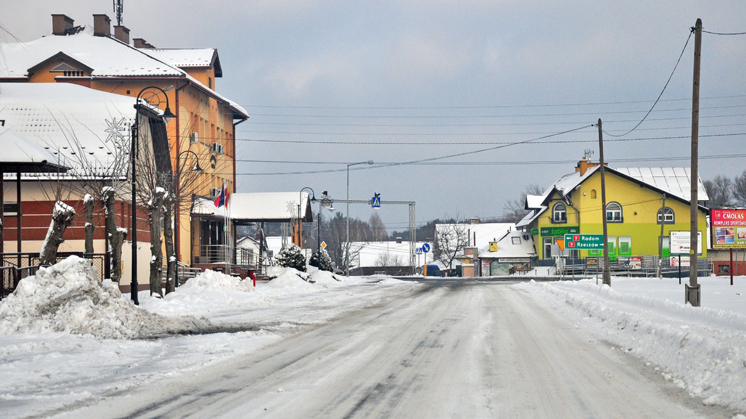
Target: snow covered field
x,y
701,350
65,337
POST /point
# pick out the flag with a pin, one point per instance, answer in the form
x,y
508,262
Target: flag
x,y
220,200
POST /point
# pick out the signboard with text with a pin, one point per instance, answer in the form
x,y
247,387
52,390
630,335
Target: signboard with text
x,y
728,228
584,241
680,243
559,231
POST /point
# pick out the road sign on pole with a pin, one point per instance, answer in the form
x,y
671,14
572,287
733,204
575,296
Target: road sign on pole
x,y
323,245
375,202
426,247
584,241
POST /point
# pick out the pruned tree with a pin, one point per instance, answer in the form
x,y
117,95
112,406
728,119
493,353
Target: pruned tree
x,y
155,207
62,217
451,239
114,234
168,237
89,205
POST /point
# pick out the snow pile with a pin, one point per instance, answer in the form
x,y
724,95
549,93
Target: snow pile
x,y
217,281
68,297
288,277
324,278
702,350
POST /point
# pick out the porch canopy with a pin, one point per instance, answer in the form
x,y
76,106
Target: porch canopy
x,y
245,208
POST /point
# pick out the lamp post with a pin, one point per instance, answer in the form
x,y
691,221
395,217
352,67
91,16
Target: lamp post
x,y
326,202
347,245
196,169
300,204
167,117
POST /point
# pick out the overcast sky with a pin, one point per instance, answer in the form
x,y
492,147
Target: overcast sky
x,y
329,83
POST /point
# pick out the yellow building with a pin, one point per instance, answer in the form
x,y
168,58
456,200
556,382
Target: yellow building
x,y
99,59
638,218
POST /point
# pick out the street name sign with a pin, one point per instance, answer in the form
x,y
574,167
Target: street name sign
x,y
584,241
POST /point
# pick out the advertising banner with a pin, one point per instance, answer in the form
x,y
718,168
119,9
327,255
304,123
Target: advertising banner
x,y
680,243
728,228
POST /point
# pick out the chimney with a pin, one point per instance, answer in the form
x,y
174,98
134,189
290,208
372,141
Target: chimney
x,y
101,25
122,33
61,24
398,240
582,166
141,43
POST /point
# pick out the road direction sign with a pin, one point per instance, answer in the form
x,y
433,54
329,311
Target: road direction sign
x,y
584,241
426,247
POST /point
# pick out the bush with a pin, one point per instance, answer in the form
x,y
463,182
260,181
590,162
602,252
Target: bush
x,y
321,260
292,257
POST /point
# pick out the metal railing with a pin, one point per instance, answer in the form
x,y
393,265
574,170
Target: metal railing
x,y
12,275
210,254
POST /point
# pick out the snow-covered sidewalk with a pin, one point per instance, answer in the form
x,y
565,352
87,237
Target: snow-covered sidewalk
x,y
702,350
65,337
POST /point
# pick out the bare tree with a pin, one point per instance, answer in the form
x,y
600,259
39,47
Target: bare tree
x,y
115,236
739,189
450,240
719,191
515,209
62,217
387,259
155,207
378,229
89,204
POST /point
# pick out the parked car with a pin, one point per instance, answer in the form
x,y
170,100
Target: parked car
x,y
433,270
455,271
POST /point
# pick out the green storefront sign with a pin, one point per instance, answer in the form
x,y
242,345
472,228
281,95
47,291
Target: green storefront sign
x,y
559,231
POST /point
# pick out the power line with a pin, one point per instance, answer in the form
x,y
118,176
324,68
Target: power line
x,y
724,33
486,107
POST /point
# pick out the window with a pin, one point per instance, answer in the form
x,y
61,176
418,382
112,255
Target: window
x,y
516,240
593,194
547,248
614,212
625,246
559,213
723,269
666,215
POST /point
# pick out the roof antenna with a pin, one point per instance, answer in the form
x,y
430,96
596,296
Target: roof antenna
x,y
118,9
588,153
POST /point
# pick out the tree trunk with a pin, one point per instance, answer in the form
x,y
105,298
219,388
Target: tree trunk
x,y
88,204
62,217
168,235
116,236
156,260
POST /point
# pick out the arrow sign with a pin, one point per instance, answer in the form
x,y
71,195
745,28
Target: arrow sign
x,y
426,247
584,241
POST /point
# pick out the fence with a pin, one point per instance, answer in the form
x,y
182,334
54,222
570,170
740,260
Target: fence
x,y
646,265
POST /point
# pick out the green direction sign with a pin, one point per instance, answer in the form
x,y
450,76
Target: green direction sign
x,y
584,241
558,231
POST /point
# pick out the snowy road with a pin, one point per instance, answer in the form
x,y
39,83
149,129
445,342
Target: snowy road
x,y
466,350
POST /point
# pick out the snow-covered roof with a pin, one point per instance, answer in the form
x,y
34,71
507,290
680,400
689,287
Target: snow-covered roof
x,y
534,201
372,253
267,206
672,180
515,244
185,57
26,155
104,56
530,217
61,116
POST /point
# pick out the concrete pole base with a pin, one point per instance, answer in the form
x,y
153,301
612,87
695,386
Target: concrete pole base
x,y
692,295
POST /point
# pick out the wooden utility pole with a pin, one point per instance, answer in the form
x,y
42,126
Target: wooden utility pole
x,y
693,292
607,271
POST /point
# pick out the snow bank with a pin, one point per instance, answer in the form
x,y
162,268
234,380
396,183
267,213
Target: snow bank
x,y
288,277
217,281
68,297
703,350
325,278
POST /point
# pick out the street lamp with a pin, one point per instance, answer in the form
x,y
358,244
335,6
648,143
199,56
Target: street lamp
x,y
328,203
196,169
347,245
300,203
167,117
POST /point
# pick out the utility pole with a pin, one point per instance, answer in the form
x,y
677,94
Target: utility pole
x,y
607,270
693,291
660,241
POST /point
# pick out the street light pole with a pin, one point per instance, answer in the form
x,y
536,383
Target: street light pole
x,y
167,116
300,204
347,244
